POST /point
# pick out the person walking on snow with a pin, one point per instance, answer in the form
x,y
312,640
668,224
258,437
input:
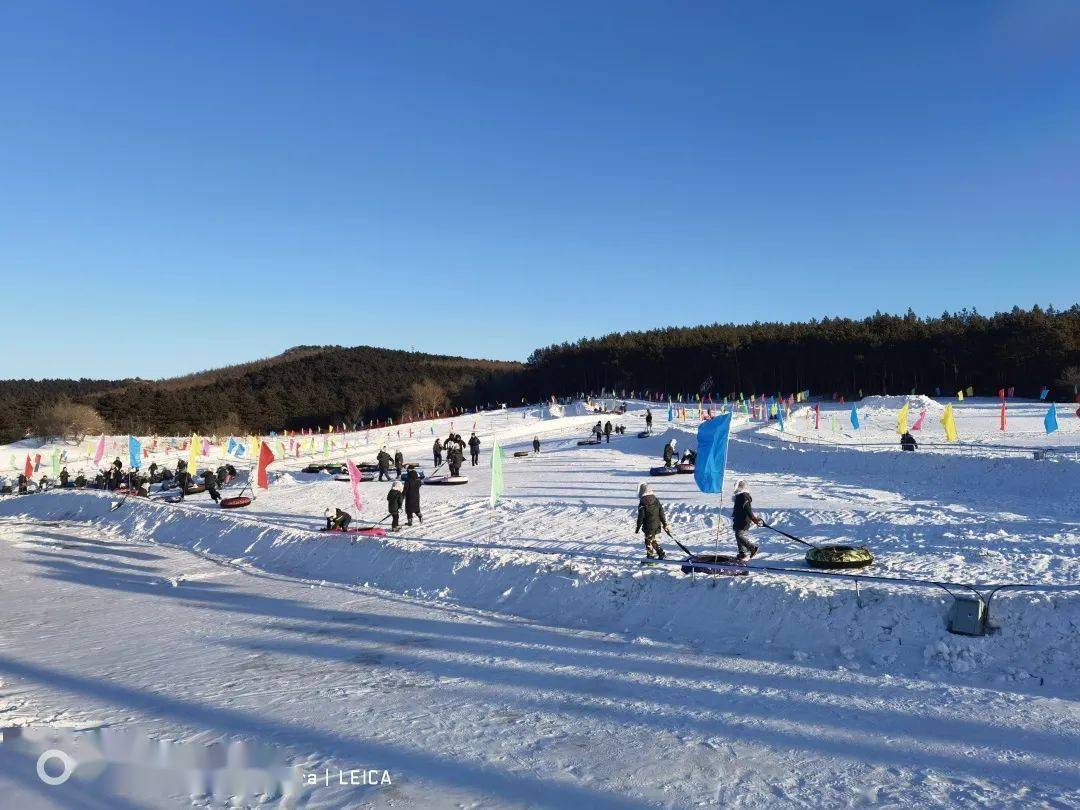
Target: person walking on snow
x,y
908,443
399,462
536,444
436,453
384,460
598,432
210,482
669,453
607,431
394,499
338,521
651,520
412,496
474,449
648,420
742,518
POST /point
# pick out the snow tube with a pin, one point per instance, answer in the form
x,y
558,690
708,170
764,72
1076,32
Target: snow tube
x,y
644,434
195,489
363,531
663,471
839,557
235,502
521,454
684,468
448,480
586,442
719,564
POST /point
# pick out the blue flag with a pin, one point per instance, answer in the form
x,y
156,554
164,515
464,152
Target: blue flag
x,y
1043,394
134,453
1050,421
712,441
780,417
231,446
670,414
854,418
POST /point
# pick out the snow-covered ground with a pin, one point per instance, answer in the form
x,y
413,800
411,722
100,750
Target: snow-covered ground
x,y
519,655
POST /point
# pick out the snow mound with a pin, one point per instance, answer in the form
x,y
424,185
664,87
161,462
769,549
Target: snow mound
x,y
915,403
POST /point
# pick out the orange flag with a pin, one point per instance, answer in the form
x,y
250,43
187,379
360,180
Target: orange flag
x,y
28,470
266,456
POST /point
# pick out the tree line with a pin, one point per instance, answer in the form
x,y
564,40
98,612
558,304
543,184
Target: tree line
x,y
312,386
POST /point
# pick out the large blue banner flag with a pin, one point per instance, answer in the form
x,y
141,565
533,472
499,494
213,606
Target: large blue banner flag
x,y
134,453
854,418
1050,421
712,441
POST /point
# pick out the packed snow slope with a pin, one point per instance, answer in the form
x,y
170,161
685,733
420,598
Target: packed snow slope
x,y
547,660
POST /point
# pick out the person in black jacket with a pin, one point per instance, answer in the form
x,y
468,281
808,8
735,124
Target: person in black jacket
x,y
399,462
412,496
742,517
651,520
607,431
669,453
536,444
338,521
454,459
384,460
436,453
394,499
64,476
648,420
474,449
210,482
908,443
598,432
152,469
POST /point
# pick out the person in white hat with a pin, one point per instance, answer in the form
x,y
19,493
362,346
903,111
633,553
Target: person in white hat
x,y
651,520
742,518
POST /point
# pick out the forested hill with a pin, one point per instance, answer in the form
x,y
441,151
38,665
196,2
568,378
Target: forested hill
x,y
304,387
882,354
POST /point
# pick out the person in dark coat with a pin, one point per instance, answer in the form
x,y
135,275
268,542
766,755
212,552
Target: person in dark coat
x,y
394,499
152,469
651,520
64,477
474,449
648,420
669,453
907,442
455,458
384,460
598,431
399,462
607,431
436,452
536,444
412,496
210,482
80,481
742,517
339,521
21,482
221,475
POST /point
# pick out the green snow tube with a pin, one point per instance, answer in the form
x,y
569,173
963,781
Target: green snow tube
x,y
839,557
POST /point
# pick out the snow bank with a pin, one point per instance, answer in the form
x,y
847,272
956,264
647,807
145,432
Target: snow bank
x,y
915,402
823,622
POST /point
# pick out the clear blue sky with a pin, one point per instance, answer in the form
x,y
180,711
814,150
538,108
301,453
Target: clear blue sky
x,y
185,185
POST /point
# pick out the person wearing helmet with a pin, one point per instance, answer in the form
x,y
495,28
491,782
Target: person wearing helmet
x,y
338,521
650,520
742,518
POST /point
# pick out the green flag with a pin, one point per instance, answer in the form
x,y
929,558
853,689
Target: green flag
x,y
56,462
496,474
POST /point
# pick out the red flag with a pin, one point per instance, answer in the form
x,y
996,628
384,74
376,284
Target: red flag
x,y
265,457
1003,414
28,470
1001,396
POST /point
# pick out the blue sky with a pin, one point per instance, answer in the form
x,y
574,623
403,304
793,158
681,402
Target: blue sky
x,y
186,185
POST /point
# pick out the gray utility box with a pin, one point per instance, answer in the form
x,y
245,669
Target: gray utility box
x,y
968,616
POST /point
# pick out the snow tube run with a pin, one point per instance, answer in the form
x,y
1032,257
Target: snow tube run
x,y
235,502
521,454
719,564
684,468
839,557
448,479
663,471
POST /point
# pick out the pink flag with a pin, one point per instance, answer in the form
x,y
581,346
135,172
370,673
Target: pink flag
x,y
99,454
918,422
354,478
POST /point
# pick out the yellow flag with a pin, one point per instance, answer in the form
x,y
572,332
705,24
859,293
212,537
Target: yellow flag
x,y
960,395
193,453
901,420
949,423
970,391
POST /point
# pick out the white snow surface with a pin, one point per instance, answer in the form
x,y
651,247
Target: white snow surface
x,y
520,656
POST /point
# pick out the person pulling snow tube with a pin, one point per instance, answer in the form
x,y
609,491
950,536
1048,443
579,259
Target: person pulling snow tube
x,y
235,502
839,557
663,471
448,480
